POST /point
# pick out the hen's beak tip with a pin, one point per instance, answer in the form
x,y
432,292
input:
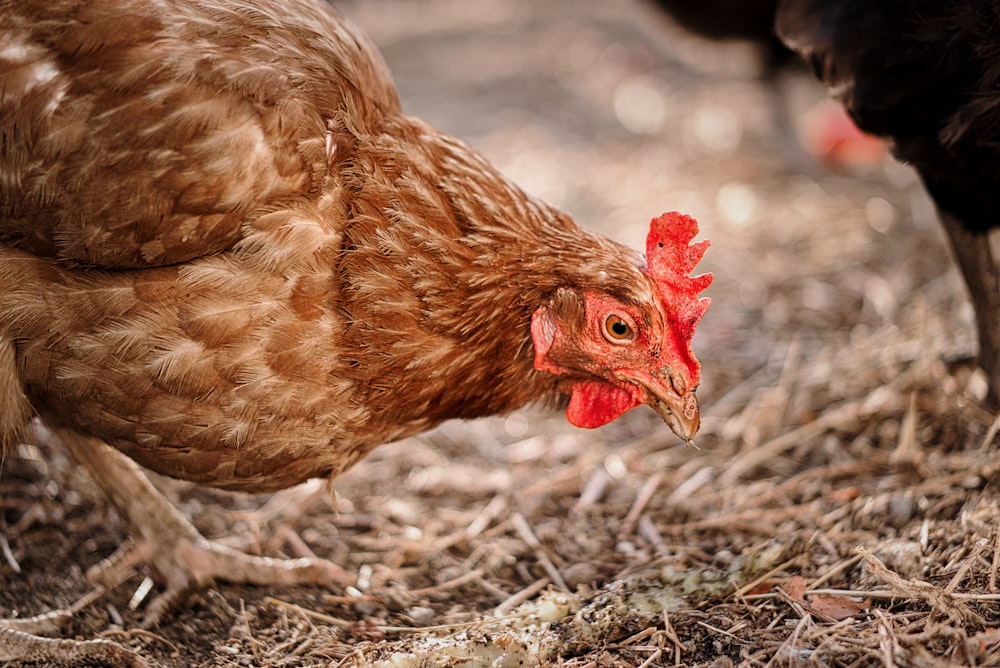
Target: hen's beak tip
x,y
682,415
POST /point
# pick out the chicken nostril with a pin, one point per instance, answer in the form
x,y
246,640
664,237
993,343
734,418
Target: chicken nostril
x,y
690,407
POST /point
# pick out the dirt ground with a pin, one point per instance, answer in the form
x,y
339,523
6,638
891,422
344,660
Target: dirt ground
x,y
840,508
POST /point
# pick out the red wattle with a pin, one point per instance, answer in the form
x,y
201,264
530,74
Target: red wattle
x,y
593,403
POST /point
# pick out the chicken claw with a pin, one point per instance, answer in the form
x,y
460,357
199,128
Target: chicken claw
x,y
22,646
19,642
182,560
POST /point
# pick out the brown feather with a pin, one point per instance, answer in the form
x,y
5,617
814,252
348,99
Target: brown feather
x,y
226,251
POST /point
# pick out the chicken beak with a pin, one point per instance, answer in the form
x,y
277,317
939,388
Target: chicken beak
x,y
681,414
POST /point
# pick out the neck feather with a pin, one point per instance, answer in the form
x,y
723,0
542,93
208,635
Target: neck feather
x,y
445,262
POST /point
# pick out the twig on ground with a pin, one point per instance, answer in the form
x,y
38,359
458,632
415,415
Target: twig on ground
x,y
528,536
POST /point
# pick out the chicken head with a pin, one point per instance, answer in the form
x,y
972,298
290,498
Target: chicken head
x,y
617,355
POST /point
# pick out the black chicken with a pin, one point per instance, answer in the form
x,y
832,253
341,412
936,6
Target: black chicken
x,y
926,75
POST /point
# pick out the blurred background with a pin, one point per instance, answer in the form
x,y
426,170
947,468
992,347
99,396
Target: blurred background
x,y
837,408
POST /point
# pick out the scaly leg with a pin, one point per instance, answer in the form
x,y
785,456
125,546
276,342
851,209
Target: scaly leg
x,y
982,278
19,645
18,641
181,559
162,537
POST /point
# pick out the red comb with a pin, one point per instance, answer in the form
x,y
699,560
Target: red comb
x,y
670,258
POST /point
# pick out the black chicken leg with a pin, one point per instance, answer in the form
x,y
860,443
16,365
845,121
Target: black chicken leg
x,y
982,278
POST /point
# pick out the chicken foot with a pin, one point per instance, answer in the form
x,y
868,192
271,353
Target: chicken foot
x,y
162,537
18,641
975,258
181,559
18,645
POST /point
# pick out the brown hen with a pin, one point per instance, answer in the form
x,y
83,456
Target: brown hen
x,y
227,253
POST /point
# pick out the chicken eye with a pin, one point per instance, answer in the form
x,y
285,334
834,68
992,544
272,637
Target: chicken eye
x,y
617,330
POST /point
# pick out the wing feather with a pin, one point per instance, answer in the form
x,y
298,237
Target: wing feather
x,y
139,134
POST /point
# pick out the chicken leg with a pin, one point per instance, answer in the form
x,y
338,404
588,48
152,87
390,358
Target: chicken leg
x,y
181,559
20,645
982,278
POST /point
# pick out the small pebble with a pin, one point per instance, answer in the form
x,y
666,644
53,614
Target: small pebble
x,y
421,615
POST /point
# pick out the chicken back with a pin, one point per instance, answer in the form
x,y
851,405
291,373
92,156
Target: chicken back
x,y
226,251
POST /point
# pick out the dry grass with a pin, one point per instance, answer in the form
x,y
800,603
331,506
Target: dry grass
x,y
840,508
